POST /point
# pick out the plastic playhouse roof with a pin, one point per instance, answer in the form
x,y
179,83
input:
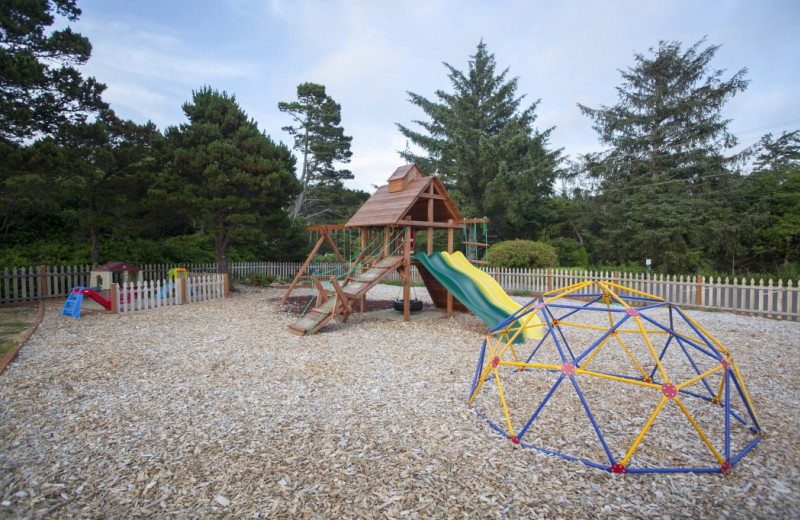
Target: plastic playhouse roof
x,y
117,267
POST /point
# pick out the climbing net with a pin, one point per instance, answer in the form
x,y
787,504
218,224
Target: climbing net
x,y
621,380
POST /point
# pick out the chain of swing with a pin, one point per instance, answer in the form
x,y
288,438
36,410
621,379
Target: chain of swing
x,y
471,243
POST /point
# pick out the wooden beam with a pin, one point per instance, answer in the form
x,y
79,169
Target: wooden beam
x,y
432,196
302,269
424,224
326,227
407,277
450,251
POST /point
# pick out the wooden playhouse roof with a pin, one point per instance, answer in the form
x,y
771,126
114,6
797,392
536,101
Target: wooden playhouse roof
x,y
409,193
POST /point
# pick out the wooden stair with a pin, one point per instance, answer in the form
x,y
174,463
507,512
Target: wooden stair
x,y
340,303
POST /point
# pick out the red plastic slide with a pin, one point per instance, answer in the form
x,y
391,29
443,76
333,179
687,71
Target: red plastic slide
x,y
96,297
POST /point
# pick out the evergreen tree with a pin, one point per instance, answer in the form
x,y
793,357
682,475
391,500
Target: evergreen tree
x,y
40,86
231,178
86,177
319,139
109,163
481,142
663,181
775,196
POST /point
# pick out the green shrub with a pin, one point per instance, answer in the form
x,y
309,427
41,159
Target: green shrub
x,y
570,252
524,254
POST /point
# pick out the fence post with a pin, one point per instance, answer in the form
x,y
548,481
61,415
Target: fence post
x,y
699,297
226,285
44,290
113,295
181,290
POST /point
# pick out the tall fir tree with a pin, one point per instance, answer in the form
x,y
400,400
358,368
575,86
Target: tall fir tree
x,y
663,180
481,142
775,198
319,139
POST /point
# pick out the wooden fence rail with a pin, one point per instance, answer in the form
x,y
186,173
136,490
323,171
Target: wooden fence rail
x,y
780,300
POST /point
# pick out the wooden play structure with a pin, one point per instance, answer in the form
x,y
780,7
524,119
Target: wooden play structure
x,y
410,201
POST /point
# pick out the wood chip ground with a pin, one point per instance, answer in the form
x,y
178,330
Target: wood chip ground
x,y
217,410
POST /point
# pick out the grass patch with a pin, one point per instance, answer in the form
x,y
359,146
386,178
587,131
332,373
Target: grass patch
x,y
14,322
8,330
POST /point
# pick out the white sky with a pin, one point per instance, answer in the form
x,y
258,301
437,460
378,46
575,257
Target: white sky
x,y
370,53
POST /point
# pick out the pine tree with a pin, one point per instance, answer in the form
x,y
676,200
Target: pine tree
x,y
231,178
775,196
40,86
664,178
320,140
481,142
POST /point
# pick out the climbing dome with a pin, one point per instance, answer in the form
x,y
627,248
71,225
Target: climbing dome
x,y
621,380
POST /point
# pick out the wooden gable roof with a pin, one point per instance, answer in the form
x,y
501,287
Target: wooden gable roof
x,y
409,195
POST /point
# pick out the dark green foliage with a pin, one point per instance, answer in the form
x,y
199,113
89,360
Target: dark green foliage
x,y
41,88
110,167
524,254
228,176
773,205
261,280
320,140
481,142
664,182
570,252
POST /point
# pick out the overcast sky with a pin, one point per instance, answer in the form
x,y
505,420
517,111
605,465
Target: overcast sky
x,y
370,53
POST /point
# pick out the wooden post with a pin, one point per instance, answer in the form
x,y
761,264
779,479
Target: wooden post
x,y
449,251
430,219
407,273
386,240
114,298
699,298
44,290
362,302
226,287
181,290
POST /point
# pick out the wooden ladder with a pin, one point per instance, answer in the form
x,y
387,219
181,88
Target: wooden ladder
x,y
339,304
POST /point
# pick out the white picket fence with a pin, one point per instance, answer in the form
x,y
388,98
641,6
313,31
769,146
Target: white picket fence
x,y
160,293
771,300
779,300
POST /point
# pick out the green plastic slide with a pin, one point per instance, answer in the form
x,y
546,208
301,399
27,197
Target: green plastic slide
x,y
464,288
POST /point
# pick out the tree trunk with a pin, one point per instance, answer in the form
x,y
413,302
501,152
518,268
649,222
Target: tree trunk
x,y
221,243
95,247
298,203
305,179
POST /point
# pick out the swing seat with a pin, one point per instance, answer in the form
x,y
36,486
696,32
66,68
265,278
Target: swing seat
x,y
414,304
